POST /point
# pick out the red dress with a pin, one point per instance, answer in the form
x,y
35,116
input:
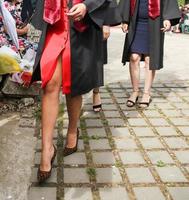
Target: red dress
x,y
57,44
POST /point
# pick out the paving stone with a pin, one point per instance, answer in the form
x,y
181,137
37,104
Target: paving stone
x,y
156,156
106,101
75,175
131,158
93,123
99,144
166,131
75,159
182,156
184,130
121,100
185,112
113,193
176,142
46,193
125,143
100,132
170,174
181,105
179,193
105,95
152,113
140,175
116,122
150,143
143,131
179,121
175,99
90,115
148,193
111,114
87,108
78,193
158,122
137,122
52,179
103,158
164,106
133,114
119,94
108,175
109,107
38,158
172,113
159,100
120,132
125,108
80,145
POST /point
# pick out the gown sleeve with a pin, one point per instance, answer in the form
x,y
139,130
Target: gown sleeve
x,y
100,10
112,16
37,18
171,11
124,7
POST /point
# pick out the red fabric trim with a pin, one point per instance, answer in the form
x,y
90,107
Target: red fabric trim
x,y
57,42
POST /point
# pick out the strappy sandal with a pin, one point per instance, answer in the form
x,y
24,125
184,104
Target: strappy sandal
x,y
144,105
42,176
131,103
97,108
68,151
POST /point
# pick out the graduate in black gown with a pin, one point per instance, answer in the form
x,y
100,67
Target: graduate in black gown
x,y
86,66
145,22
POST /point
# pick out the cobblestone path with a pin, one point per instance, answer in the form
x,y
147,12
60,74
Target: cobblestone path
x,y
124,154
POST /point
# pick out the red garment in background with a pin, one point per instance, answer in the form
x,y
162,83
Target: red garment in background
x,y
153,8
57,44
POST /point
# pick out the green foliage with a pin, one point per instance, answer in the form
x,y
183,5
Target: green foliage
x,y
91,172
182,2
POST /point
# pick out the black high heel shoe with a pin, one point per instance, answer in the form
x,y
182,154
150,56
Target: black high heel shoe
x,y
42,176
131,103
68,151
144,105
97,108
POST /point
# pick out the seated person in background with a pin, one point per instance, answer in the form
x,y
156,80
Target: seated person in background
x,y
15,8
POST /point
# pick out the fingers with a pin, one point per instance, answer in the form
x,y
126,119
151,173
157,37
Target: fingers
x,y
167,26
106,35
125,28
77,12
106,32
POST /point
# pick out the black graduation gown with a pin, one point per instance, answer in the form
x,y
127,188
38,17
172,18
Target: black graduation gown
x,y
27,10
169,11
86,47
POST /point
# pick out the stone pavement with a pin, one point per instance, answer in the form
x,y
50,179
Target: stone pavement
x,y
124,154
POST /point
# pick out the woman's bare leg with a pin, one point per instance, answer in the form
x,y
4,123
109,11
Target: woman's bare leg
x,y
50,105
149,78
134,68
74,108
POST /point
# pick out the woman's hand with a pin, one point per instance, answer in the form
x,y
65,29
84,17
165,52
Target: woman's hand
x,y
78,12
166,26
22,31
106,32
125,27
